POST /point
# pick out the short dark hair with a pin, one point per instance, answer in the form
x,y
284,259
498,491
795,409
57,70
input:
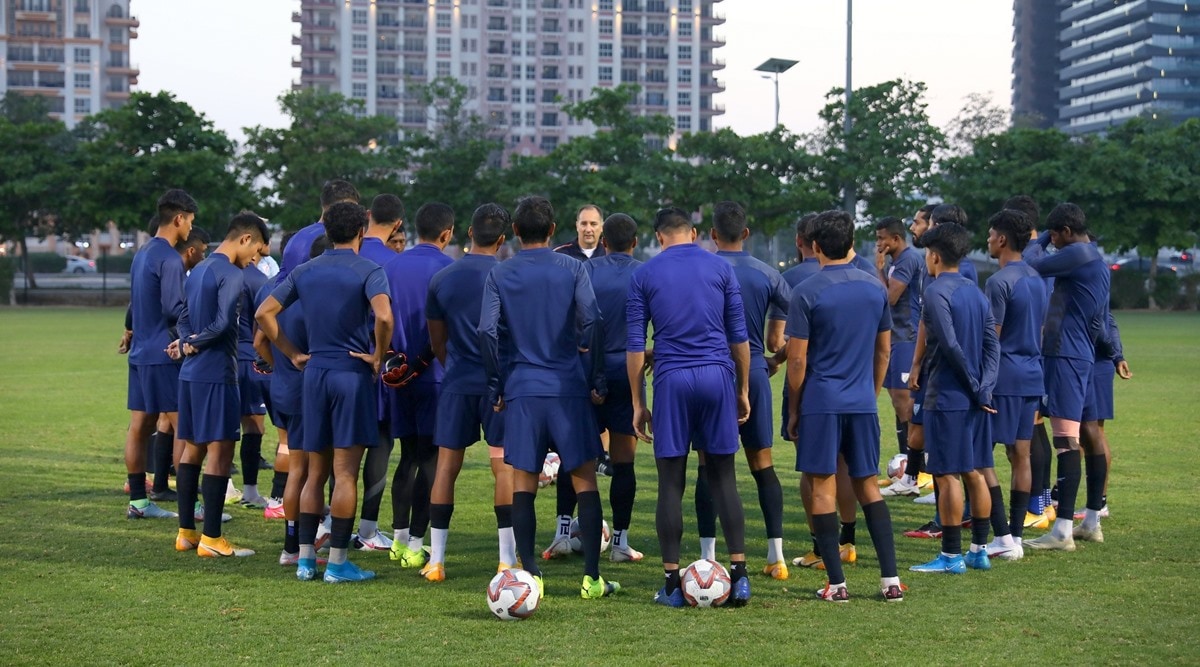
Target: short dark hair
x,y
1012,225
336,190
196,238
892,225
387,209
344,221
1027,205
950,242
533,219
319,246
833,231
247,223
944,213
804,226
283,241
926,209
488,224
620,231
173,203
433,219
729,220
672,218
1067,216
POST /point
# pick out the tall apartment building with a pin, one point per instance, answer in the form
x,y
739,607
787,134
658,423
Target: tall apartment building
x,y
1113,60
520,59
75,53
1035,63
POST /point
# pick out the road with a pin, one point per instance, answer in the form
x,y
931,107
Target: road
x,y
74,280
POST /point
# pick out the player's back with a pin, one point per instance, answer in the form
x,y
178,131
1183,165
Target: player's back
x,y
377,251
1017,296
455,297
213,294
409,274
291,323
1078,302
156,299
610,276
299,247
763,289
333,290
956,316
252,282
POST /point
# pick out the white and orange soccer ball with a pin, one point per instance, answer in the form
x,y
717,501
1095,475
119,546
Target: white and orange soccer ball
x,y
577,544
705,583
513,595
549,474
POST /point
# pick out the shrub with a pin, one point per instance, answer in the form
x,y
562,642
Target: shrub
x,y
115,263
1128,290
7,269
46,262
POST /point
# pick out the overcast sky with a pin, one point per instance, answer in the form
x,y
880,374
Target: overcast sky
x,y
231,59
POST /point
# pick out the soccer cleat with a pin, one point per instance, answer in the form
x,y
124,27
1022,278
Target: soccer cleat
x,y
165,496
219,547
286,559
848,554
346,572
408,557
927,499
1080,515
740,596
502,567
675,599
321,541
1051,542
625,554
943,564
1082,532
930,531
1052,512
150,511
893,593
561,546
233,495
1006,551
901,487
376,542
978,560
306,568
187,539
434,572
149,487
810,559
594,589
274,509
925,480
199,514
255,502
541,586
776,571
1037,521
264,464
833,593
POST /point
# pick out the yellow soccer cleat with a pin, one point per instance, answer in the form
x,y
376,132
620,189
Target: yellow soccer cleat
x,y
434,572
810,559
187,539
1038,521
219,547
848,554
776,571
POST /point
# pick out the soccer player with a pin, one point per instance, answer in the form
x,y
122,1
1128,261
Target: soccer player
x,y
1075,322
156,300
763,292
902,282
385,216
1018,298
337,292
586,245
452,309
1098,409
399,239
252,386
610,276
297,251
209,404
963,353
413,408
839,329
544,301
702,385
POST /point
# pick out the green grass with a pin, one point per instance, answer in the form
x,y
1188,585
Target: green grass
x,y
83,585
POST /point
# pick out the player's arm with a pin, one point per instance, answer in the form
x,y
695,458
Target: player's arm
x,y
489,341
1118,349
991,364
229,295
127,335
781,297
895,290
170,293
883,350
437,338
776,341
739,342
797,369
914,374
1058,264
267,317
381,306
941,323
262,346
635,358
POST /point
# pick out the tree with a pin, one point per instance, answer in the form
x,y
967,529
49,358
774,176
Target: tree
x,y
329,137
978,118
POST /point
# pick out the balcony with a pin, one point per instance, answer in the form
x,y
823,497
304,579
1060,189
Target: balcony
x,y
320,75
297,17
387,72
717,63
297,63
415,23
25,15
715,109
387,94
297,40
713,17
416,72
130,21
319,26
711,40
632,6
497,26
711,85
497,4
117,68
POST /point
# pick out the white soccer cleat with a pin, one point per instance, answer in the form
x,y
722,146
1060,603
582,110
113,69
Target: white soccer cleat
x,y
625,554
376,542
995,549
1088,534
1051,542
927,499
561,546
901,487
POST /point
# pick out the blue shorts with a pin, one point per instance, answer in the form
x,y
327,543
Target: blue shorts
x,y
461,416
293,425
899,366
413,410
339,409
1013,420
756,432
615,414
1067,382
695,405
287,392
918,397
1099,404
534,425
957,441
824,436
154,388
208,412
253,387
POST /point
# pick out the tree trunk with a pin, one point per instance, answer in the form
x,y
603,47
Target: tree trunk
x,y
1153,274
27,266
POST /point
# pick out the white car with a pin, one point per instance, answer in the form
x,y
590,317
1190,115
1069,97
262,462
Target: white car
x,y
79,265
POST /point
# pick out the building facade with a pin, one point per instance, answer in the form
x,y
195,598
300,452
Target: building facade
x,y
1035,63
521,60
75,53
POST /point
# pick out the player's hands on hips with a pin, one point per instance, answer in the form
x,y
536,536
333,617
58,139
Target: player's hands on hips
x,y
643,425
300,360
1123,370
369,359
743,408
126,341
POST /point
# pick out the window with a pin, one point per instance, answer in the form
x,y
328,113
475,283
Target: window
x,y
685,75
83,56
549,119
530,96
443,45
605,73
443,20
530,48
683,122
530,118
516,119
358,41
606,5
606,49
685,28
359,66
358,90
685,52
116,35
606,26
358,17
83,80
685,99
685,5
443,68
530,24
549,96
530,72
629,75
83,105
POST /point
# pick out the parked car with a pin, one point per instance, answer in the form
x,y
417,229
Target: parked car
x,y
1140,265
80,265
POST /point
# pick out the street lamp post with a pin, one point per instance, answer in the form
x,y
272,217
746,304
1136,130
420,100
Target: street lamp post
x,y
776,66
850,202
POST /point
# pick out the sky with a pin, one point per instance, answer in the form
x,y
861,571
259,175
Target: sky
x,y
231,59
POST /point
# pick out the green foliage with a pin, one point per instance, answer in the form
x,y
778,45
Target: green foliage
x,y
1189,287
32,165
7,271
46,262
115,263
1128,290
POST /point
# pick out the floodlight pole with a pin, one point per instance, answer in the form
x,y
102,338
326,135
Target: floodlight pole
x,y
848,124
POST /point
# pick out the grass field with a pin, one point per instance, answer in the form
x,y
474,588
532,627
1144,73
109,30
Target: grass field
x,y
81,584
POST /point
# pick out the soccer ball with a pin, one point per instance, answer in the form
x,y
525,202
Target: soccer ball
x,y
513,595
895,466
549,472
577,544
705,583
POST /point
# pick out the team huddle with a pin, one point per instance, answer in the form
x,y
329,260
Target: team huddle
x,y
354,345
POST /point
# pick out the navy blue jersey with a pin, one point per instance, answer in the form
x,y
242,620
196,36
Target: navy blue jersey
x,y
839,311
1076,318
375,250
966,269
155,301
455,298
694,301
962,351
291,323
794,276
545,301
908,269
209,321
763,291
252,281
1018,297
863,264
1115,350
299,247
335,292
610,276
409,274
